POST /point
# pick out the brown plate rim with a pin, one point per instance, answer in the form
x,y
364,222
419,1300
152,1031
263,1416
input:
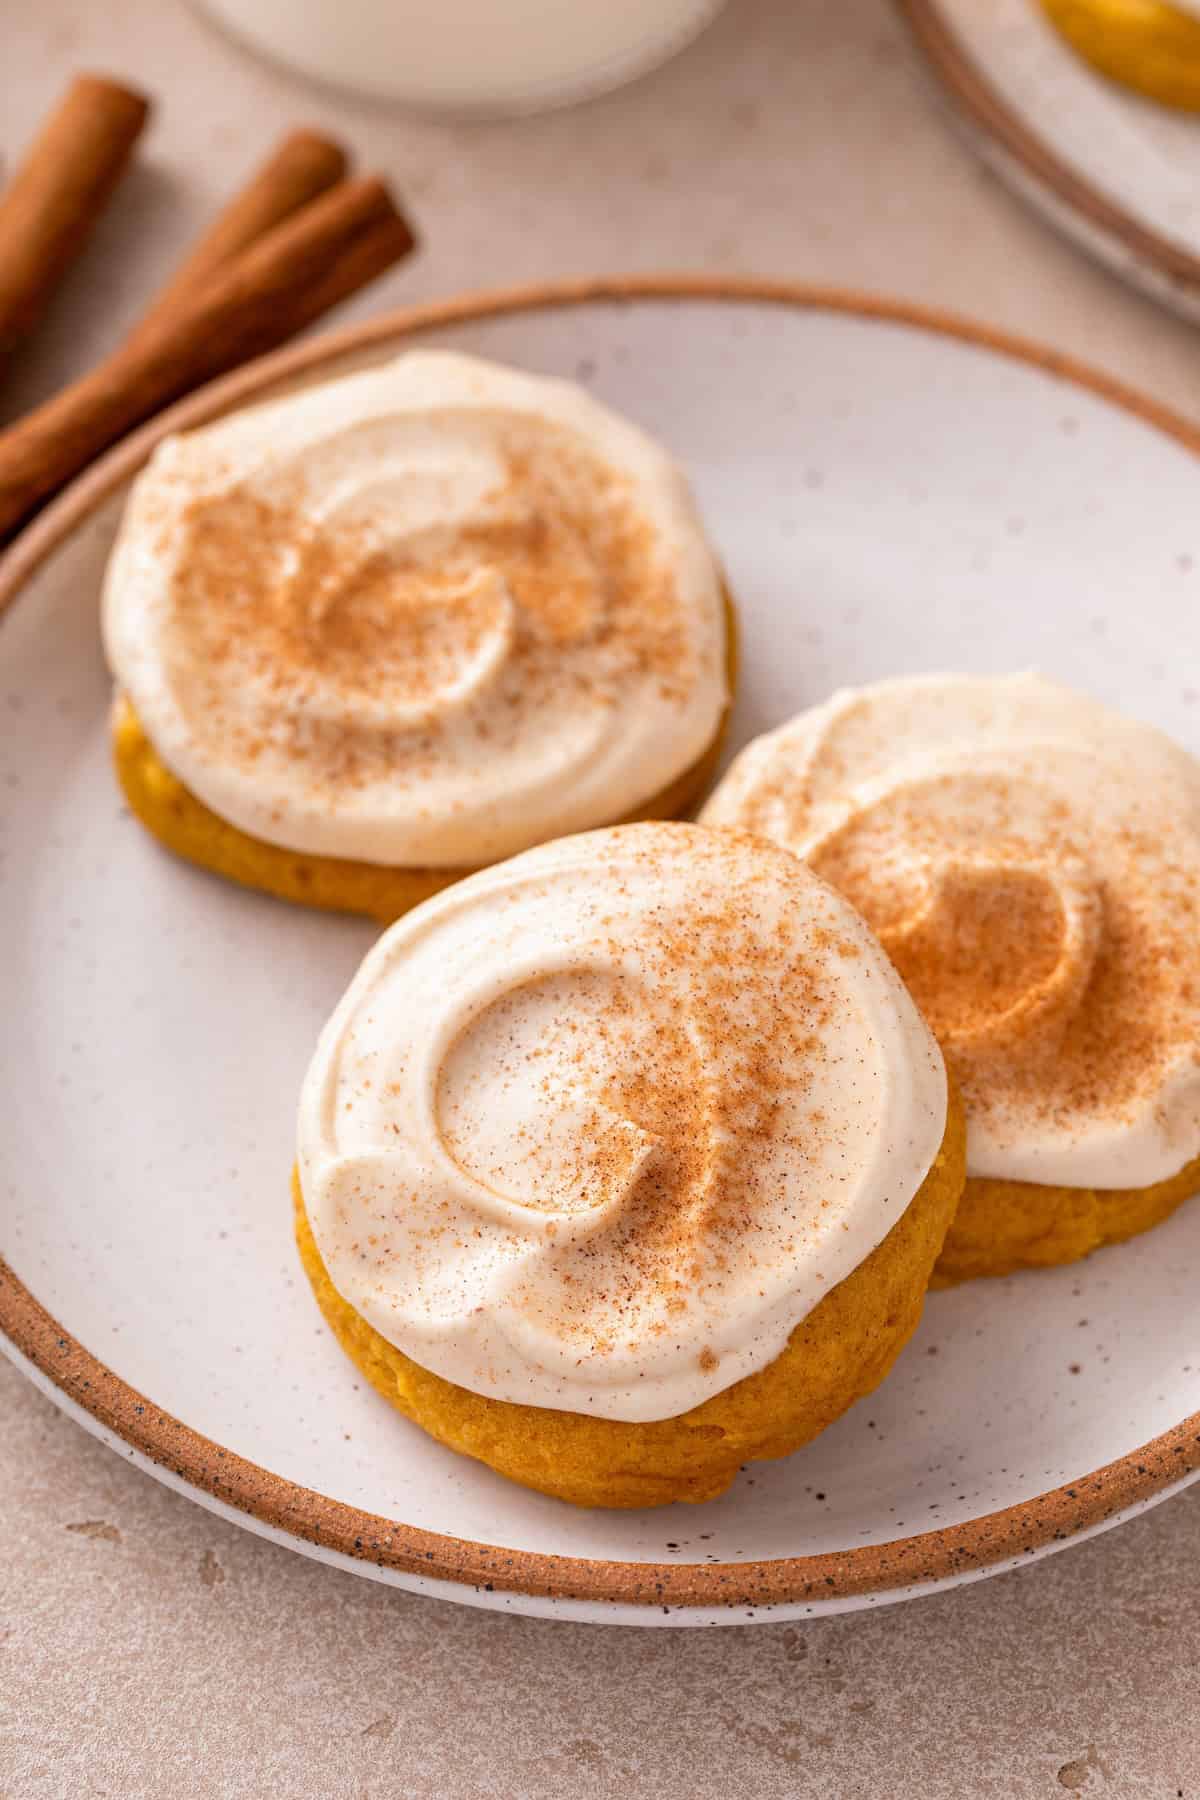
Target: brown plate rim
x,y
968,87
926,1558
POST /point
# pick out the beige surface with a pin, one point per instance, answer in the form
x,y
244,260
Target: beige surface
x,y
147,1648
158,1651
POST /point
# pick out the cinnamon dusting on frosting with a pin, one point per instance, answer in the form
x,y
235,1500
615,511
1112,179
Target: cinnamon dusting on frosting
x,y
1032,865
339,633
483,593
651,1080
677,1094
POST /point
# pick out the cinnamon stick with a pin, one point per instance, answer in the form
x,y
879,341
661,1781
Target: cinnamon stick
x,y
301,168
57,194
289,278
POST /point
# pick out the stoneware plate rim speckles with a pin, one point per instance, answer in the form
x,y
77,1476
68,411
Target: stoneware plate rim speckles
x,y
842,368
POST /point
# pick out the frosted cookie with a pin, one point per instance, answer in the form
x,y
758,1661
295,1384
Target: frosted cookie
x,y
404,624
625,1162
1031,862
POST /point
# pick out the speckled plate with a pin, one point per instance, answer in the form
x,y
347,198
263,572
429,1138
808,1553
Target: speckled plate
x,y
889,491
1117,173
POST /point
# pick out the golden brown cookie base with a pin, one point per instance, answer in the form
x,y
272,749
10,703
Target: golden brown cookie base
x,y
842,1350
192,830
1001,1226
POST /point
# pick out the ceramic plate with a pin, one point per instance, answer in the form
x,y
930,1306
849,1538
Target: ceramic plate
x,y
890,493
1116,172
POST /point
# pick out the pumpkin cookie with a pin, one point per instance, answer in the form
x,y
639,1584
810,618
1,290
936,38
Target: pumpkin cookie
x,y
1031,862
626,1162
399,626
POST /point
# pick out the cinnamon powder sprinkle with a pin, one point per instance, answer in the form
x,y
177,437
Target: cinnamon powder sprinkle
x,y
658,1092
347,657
1045,914
1071,1019
679,1097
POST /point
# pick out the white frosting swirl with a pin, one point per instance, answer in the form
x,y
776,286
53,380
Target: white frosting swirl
x,y
425,615
596,1128
1031,861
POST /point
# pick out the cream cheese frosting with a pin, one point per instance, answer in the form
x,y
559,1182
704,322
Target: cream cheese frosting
x,y
596,1128
426,615
1031,861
